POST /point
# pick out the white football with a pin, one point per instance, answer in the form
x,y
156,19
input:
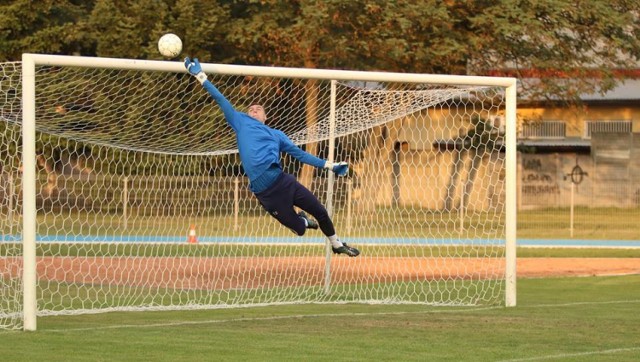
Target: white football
x,y
170,45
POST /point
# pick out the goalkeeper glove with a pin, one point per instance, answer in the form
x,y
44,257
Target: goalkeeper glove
x,y
340,168
194,68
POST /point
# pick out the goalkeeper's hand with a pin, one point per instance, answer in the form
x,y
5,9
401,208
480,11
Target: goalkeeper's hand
x,y
340,168
194,68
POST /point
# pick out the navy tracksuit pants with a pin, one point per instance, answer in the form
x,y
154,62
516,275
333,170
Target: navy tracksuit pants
x,y
285,193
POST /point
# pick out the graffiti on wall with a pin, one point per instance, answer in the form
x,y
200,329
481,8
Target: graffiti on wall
x,y
538,177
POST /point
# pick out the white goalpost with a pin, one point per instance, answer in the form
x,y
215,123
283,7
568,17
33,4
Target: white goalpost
x,y
121,188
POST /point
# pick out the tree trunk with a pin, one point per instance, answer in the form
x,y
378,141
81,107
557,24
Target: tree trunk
x,y
311,95
311,112
395,174
476,160
456,169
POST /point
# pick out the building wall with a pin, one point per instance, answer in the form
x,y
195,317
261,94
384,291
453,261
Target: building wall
x,y
425,175
575,117
544,180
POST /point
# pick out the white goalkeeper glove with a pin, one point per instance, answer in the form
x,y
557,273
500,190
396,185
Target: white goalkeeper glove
x,y
340,168
194,68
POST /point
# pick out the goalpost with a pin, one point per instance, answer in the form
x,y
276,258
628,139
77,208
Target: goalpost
x,y
122,189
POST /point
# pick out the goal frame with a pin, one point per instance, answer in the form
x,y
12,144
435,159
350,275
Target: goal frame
x,y
30,61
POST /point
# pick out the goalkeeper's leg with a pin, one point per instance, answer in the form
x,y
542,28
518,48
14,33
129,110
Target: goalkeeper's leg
x,y
287,192
278,201
307,201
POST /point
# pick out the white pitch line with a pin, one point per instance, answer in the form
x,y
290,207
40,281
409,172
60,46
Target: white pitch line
x,y
301,316
569,355
631,301
283,317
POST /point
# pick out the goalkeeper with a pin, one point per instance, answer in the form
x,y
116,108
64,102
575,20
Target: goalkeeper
x,y
278,192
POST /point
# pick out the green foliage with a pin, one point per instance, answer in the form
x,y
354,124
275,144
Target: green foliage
x,y
564,43
48,26
130,29
123,28
337,34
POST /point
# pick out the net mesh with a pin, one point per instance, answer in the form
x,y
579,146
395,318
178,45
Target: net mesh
x,y
142,202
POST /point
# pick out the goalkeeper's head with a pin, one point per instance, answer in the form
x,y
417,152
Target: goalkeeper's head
x,y
257,111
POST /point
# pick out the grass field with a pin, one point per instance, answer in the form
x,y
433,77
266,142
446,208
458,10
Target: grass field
x,y
556,319
548,223
561,319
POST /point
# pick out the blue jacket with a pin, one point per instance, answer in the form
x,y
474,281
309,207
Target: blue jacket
x,y
259,145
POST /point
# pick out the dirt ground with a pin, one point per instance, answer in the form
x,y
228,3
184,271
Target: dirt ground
x,y
256,272
542,267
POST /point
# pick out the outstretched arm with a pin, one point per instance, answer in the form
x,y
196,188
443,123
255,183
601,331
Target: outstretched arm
x,y
194,68
340,168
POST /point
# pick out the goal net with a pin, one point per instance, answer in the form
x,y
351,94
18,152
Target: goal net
x,y
121,189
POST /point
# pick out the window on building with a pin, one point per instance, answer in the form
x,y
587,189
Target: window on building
x,y
614,126
544,130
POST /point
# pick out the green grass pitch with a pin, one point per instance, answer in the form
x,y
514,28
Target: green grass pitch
x,y
556,319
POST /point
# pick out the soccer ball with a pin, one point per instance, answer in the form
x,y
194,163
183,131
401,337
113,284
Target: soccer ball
x,y
170,45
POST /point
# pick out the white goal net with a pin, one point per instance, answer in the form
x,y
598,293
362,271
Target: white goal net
x,y
140,201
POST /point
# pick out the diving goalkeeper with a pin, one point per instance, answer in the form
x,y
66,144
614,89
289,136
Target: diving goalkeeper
x,y
278,192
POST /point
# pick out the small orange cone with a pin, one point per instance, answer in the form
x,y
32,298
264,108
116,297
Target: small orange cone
x,y
191,239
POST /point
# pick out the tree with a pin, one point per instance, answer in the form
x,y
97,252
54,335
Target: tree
x,y
481,140
565,43
125,28
573,48
325,34
47,26
131,29
570,46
